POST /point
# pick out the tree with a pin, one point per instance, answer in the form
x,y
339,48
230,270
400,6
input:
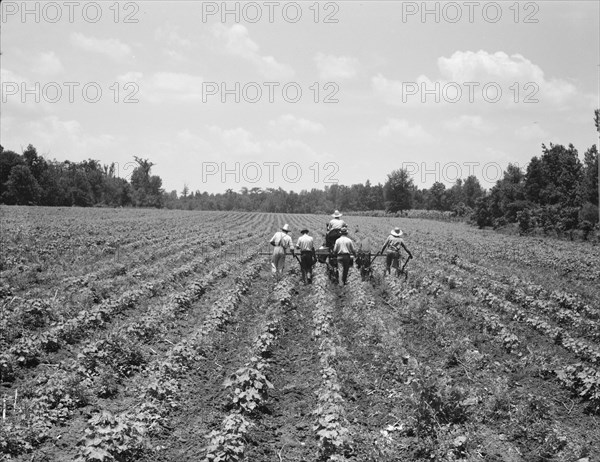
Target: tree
x,y
482,215
147,190
8,160
589,183
37,164
21,187
438,197
561,169
472,191
506,198
397,191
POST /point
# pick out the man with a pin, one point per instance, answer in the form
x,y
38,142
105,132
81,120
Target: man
x,y
343,248
393,244
281,241
334,227
306,246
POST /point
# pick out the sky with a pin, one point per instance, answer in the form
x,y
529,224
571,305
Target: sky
x,y
299,95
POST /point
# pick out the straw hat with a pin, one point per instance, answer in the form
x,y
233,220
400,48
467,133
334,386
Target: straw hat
x,y
397,232
336,214
285,228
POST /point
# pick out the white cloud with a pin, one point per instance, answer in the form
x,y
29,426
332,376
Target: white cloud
x,y
66,139
166,86
403,130
24,98
236,41
111,47
47,63
169,35
190,141
499,67
469,122
336,67
174,44
289,122
531,132
236,140
464,75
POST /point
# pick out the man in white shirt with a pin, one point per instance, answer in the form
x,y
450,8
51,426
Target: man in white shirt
x,y
306,246
343,248
282,241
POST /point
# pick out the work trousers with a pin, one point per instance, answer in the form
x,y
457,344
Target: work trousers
x,y
344,259
306,264
392,259
278,261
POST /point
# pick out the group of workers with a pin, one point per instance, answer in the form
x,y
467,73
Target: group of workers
x,y
336,238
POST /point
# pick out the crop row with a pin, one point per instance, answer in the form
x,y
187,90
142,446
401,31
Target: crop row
x,y
27,350
331,427
564,299
160,392
99,367
248,386
557,334
534,303
581,379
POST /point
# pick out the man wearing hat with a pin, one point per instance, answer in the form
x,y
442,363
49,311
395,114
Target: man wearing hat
x,y
282,241
393,244
343,248
334,227
306,246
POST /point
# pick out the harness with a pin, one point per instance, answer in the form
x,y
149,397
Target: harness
x,y
280,239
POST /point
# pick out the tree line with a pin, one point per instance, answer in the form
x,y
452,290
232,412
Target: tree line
x,y
556,193
29,179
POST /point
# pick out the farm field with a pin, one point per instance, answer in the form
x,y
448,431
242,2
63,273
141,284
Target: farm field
x,y
157,335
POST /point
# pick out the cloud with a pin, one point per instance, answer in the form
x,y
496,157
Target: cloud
x,y
236,140
24,98
165,86
469,122
174,44
531,132
402,129
169,35
65,139
193,141
482,67
111,47
48,64
336,67
463,76
289,122
236,41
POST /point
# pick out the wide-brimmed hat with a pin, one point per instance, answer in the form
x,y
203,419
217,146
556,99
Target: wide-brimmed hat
x,y
303,230
396,232
336,214
285,228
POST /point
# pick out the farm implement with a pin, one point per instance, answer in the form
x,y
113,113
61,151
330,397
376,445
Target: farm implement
x,y
364,261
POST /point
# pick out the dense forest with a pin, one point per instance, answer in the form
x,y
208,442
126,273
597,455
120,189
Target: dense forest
x,y
556,193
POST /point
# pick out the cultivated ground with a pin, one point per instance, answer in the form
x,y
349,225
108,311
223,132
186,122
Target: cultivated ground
x,y
142,335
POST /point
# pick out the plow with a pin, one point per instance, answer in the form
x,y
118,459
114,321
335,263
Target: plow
x,y
363,262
